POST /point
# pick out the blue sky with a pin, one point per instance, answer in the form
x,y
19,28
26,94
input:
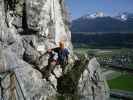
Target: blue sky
x,y
78,8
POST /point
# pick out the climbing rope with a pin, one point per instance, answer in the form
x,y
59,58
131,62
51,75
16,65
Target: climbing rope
x,y
20,88
17,82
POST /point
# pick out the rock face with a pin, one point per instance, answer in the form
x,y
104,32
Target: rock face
x,y
28,28
93,83
84,81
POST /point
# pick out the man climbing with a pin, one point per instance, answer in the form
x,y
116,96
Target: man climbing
x,y
57,56
63,54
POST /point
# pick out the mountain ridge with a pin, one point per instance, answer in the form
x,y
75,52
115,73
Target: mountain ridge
x,y
103,23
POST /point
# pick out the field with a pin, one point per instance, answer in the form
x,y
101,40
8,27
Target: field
x,y
123,82
130,65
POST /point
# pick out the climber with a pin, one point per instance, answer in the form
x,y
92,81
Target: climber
x,y
57,56
63,54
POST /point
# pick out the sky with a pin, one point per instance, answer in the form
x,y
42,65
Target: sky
x,y
78,8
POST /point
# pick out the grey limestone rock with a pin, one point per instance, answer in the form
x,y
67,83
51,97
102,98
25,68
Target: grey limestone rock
x,y
92,85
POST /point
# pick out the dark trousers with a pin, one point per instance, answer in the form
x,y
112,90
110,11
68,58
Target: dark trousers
x,y
50,68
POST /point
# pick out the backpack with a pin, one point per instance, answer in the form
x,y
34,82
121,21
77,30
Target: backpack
x,y
63,56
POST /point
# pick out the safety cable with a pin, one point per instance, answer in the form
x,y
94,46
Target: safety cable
x,y
2,89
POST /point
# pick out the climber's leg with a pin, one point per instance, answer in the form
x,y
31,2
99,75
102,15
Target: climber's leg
x,y
63,69
50,69
52,66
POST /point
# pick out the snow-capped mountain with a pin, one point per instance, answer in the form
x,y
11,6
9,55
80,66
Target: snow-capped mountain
x,y
94,15
124,16
99,22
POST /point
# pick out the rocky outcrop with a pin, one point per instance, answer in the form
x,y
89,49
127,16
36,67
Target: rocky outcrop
x,y
28,28
84,81
92,85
